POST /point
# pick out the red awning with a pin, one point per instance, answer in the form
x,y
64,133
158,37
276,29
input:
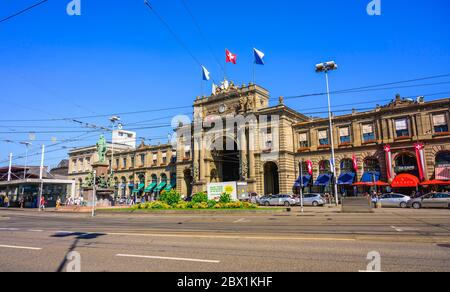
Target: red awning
x,y
405,181
371,184
435,183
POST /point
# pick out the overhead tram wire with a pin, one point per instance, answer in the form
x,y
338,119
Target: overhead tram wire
x,y
190,106
172,32
350,90
22,11
202,34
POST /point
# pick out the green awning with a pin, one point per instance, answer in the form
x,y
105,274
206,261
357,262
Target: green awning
x,y
139,189
150,188
169,187
161,186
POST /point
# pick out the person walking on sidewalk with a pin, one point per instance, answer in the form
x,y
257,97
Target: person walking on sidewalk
x,y
42,204
6,202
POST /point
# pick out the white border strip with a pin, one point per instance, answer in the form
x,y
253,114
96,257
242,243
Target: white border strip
x,y
20,247
168,258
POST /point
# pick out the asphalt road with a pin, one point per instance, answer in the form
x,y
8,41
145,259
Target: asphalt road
x,y
319,240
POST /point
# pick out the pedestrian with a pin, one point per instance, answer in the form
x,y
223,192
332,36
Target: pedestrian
x,y
58,203
42,204
21,202
6,202
1,201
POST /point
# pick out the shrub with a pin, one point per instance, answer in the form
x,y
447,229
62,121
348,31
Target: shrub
x,y
212,203
171,198
203,205
158,205
182,205
200,198
225,198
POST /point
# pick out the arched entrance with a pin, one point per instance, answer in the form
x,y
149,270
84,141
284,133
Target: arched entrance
x,y
271,179
406,163
347,177
188,179
227,162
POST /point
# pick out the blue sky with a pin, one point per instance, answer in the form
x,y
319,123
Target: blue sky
x,y
118,57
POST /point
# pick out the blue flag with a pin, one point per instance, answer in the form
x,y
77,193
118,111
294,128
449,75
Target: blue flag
x,y
205,74
259,57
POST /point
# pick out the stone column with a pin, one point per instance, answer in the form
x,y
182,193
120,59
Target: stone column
x,y
243,156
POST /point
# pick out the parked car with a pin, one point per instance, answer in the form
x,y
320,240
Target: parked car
x,y
432,200
277,200
314,200
392,200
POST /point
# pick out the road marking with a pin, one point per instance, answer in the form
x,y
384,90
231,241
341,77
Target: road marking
x,y
168,258
35,230
397,229
233,237
10,229
20,247
242,220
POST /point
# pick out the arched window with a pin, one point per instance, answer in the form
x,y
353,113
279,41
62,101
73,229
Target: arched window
x,y
371,164
163,177
406,163
324,167
443,159
347,165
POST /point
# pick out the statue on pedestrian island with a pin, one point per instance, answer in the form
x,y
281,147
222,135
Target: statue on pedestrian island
x,y
101,149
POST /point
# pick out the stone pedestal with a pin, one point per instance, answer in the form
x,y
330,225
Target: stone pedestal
x,y
102,169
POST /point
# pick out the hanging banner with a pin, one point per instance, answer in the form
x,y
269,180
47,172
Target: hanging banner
x,y
390,173
420,154
355,163
309,165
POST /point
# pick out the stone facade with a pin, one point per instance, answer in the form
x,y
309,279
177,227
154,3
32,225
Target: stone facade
x,y
268,159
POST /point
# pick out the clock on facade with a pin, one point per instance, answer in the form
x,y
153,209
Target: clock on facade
x,y
222,109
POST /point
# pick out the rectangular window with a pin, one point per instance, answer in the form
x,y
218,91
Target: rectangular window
x,y
401,128
323,138
132,161
174,157
164,157
74,165
142,159
187,152
344,135
155,158
117,163
124,160
303,140
368,133
440,123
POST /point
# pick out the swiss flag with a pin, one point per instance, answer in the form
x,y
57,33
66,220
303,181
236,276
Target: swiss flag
x,y
231,58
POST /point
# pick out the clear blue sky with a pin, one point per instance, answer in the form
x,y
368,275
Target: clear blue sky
x,y
117,57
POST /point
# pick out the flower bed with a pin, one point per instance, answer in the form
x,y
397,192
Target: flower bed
x,y
172,201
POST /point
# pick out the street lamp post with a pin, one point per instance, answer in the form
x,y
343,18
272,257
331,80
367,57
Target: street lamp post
x,y
325,68
113,120
301,187
27,144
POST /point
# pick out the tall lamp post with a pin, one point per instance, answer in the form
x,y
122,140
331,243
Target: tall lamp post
x,y
27,145
113,120
325,68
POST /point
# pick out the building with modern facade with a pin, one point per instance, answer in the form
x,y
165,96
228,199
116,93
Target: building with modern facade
x,y
24,183
236,135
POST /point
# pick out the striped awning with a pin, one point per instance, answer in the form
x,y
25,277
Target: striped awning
x,y
443,173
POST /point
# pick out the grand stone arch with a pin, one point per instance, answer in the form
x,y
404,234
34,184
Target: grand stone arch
x,y
271,178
